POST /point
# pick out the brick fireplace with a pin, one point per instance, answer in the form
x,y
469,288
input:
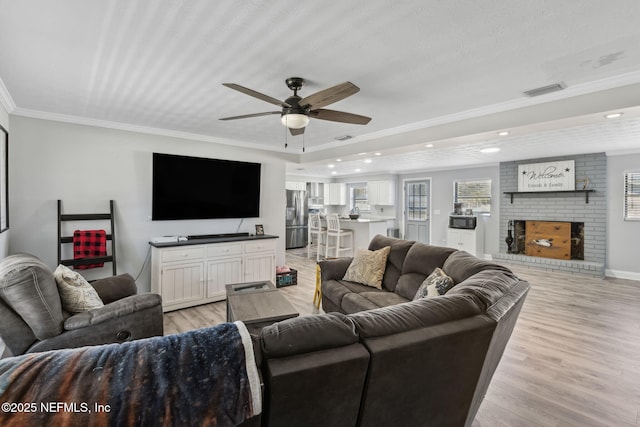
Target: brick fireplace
x,y
556,231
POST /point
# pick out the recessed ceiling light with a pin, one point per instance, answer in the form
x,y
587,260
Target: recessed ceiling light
x,y
490,150
362,154
429,145
368,160
333,172
613,115
338,160
357,170
332,166
503,133
378,154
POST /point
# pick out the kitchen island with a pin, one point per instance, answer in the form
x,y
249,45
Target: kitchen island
x,y
364,229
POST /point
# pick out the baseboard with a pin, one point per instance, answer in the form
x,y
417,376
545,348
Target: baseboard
x,y
618,274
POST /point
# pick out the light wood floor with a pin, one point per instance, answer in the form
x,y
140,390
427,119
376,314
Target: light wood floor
x,y
573,358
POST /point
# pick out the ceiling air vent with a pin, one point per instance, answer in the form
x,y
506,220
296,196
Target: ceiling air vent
x,y
545,89
343,137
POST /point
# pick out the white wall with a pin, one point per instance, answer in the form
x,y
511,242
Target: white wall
x,y
442,202
622,236
4,237
86,166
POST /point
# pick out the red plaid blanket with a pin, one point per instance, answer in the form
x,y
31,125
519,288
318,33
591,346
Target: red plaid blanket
x,y
89,244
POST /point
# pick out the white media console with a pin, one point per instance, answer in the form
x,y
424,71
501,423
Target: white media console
x,y
195,271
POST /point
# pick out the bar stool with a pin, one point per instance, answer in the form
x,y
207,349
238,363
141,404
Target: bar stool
x,y
334,231
317,295
316,233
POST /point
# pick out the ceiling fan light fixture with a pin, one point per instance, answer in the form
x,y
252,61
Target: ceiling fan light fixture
x,y
295,121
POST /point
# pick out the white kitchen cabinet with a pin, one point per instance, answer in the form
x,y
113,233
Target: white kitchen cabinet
x,y
295,185
335,193
191,274
381,193
471,241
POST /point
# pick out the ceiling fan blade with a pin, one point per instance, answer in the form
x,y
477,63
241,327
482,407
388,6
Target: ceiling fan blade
x,y
295,132
255,94
340,116
246,116
329,96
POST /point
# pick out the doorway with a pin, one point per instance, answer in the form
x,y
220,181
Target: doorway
x,y
417,210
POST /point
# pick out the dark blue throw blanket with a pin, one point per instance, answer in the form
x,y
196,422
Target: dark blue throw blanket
x,y
205,377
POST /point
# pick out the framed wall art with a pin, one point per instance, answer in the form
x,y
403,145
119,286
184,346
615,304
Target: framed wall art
x,y
4,179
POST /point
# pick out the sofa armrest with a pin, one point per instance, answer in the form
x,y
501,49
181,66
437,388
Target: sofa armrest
x,y
334,269
111,289
114,310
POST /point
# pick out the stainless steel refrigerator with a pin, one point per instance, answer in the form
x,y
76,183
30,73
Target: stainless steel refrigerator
x,y
297,217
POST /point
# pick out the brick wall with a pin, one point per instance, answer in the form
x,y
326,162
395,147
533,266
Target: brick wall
x,y
560,207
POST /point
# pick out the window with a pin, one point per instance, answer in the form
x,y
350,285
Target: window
x,y
475,194
358,197
632,196
417,201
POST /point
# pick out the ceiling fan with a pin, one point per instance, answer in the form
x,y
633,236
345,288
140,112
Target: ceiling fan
x,y
296,110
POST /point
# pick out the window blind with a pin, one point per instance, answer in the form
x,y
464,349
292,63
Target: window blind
x,y
474,194
632,195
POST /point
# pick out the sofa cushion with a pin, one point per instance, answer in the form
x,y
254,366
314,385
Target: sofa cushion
x,y
335,290
461,265
397,254
436,284
353,303
411,315
368,267
383,299
76,294
487,286
421,260
306,334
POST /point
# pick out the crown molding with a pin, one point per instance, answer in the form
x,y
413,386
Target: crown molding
x,y
5,98
622,152
569,92
65,118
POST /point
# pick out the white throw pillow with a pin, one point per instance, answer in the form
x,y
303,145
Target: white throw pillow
x,y
76,294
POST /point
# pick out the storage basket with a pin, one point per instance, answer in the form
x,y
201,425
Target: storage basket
x,y
287,279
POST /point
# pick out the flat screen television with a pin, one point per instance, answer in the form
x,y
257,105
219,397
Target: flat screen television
x,y
200,188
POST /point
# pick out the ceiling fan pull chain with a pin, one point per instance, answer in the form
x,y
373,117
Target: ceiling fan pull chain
x,y
303,142
285,137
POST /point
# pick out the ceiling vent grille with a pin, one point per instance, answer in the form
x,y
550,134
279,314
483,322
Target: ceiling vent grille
x,y
343,137
545,89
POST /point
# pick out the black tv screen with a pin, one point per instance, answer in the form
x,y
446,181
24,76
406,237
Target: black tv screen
x,y
199,188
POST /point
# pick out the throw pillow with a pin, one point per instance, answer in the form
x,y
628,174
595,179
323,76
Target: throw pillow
x,y
437,283
368,267
76,294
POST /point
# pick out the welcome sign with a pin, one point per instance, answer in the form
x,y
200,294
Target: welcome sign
x,y
550,176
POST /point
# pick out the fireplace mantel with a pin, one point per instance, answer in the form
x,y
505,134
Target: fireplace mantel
x,y
586,193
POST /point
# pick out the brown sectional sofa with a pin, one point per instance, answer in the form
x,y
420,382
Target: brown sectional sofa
x,y
381,359
377,358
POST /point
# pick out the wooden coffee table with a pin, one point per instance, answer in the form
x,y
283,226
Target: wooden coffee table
x,y
257,304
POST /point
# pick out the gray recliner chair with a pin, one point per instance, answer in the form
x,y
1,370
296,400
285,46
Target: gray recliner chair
x,y
32,318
